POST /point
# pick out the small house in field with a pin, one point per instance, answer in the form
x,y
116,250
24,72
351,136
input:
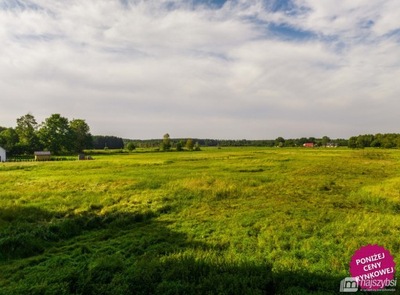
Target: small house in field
x,y
3,155
309,144
42,156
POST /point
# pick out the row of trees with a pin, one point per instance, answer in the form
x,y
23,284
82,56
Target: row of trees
x,y
59,135
280,141
107,142
56,134
167,144
321,142
388,140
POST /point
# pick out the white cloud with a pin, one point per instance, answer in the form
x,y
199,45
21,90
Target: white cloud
x,y
244,70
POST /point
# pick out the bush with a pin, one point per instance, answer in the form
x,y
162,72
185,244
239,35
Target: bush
x,y
130,146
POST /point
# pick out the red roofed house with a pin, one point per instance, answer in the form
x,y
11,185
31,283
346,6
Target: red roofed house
x,y
309,144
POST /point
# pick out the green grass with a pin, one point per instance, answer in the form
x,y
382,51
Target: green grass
x,y
219,221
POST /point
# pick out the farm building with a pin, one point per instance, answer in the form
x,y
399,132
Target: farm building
x,y
3,155
42,156
309,144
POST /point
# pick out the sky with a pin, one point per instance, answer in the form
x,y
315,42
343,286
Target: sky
x,y
235,69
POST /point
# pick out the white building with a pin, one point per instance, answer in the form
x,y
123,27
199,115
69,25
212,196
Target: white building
x,y
2,155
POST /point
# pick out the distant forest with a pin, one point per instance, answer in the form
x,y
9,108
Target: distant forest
x,y
388,140
63,136
280,141
107,142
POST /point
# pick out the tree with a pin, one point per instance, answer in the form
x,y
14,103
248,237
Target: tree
x,y
280,141
363,141
179,146
388,141
80,133
352,142
130,146
189,144
27,133
197,146
290,142
325,140
56,135
9,140
166,143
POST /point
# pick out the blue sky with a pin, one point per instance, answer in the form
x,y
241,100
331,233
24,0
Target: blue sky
x,y
216,69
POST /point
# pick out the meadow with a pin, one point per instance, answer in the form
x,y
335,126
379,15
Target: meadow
x,y
217,221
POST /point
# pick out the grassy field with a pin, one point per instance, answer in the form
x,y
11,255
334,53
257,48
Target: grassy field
x,y
218,221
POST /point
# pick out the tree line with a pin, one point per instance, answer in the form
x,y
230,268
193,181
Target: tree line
x,y
107,142
318,142
56,134
60,135
387,140
280,141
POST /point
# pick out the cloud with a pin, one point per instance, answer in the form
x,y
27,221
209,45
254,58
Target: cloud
x,y
221,69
